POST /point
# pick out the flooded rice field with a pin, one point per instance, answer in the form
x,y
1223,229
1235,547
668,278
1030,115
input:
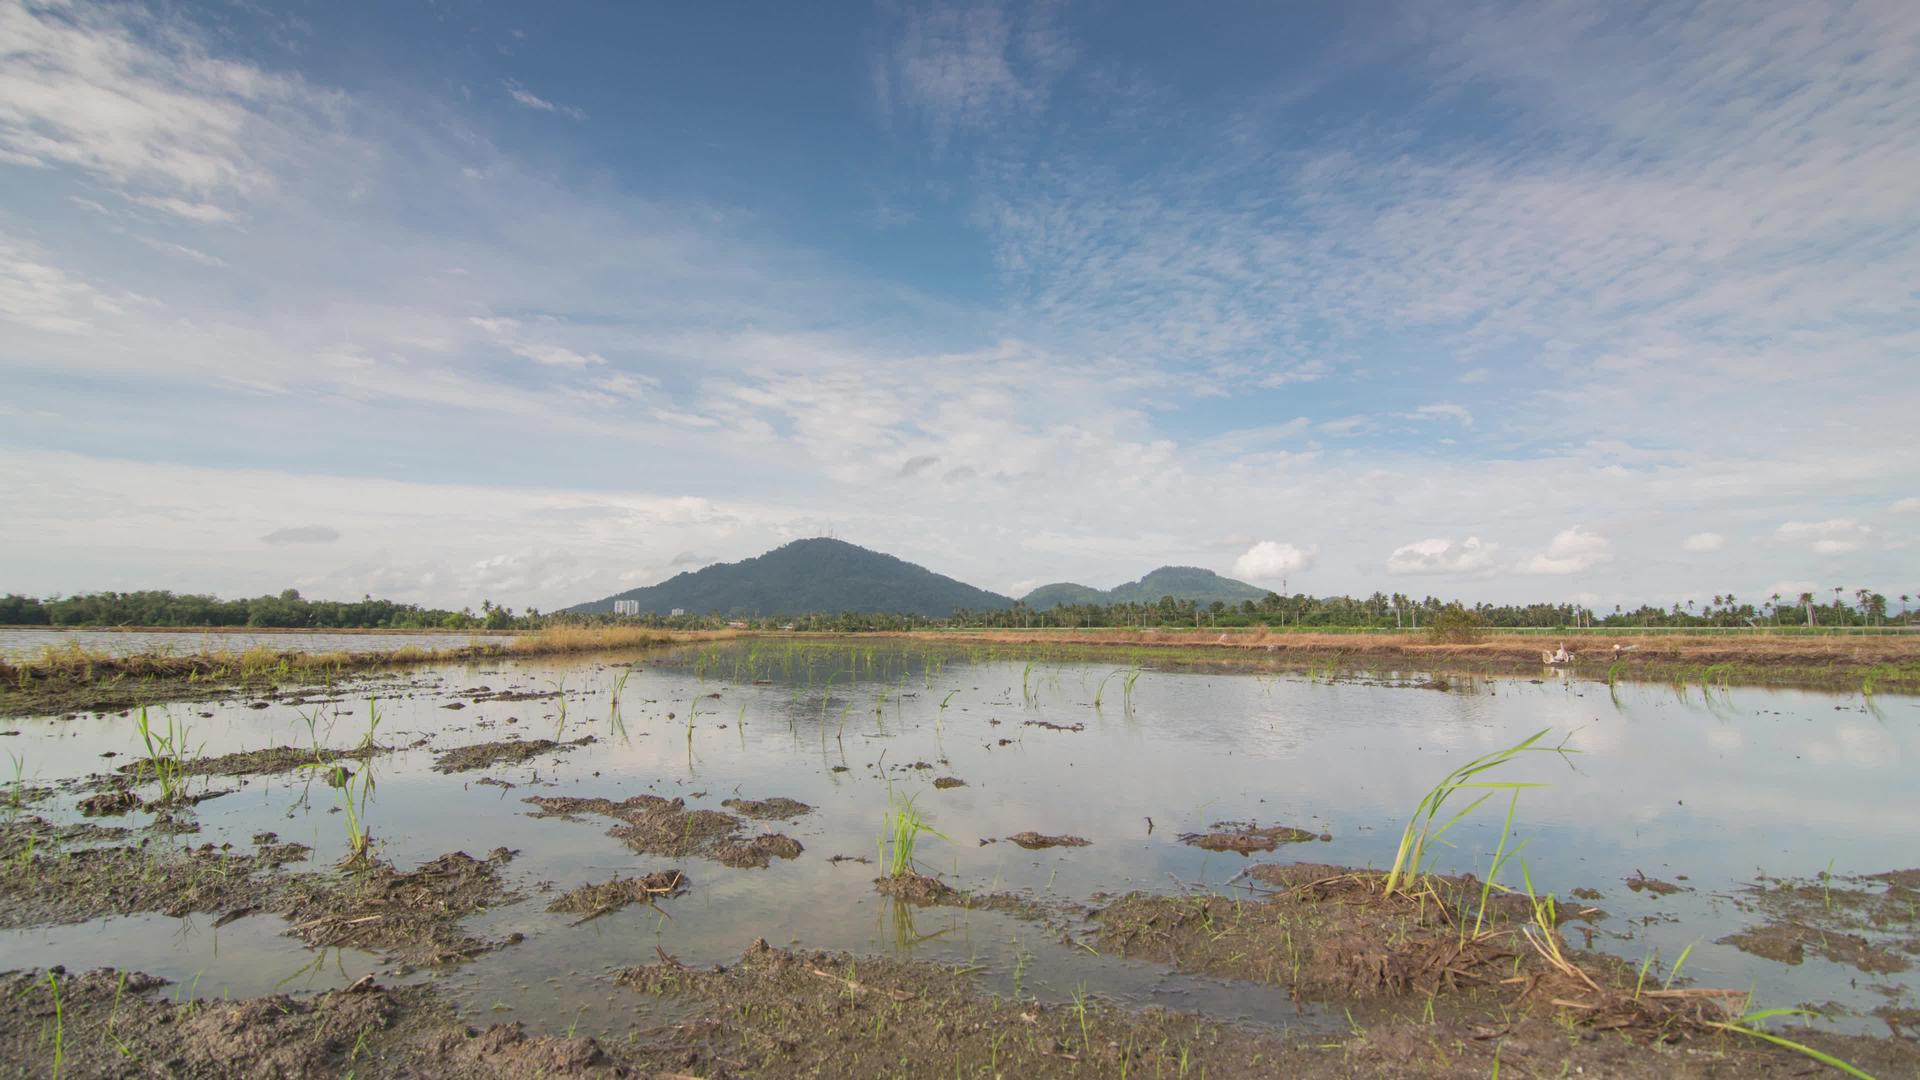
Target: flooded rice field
x,y
18,643
724,794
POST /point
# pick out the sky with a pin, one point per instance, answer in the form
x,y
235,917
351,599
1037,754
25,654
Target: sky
x,y
444,301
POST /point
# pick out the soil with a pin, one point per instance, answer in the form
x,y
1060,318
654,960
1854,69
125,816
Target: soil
x,y
1869,923
45,880
774,809
945,782
506,751
1034,841
409,916
277,759
653,825
1643,883
780,1013
1753,658
1246,838
593,901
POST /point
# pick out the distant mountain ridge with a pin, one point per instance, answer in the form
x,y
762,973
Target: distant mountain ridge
x,y
814,576
1185,583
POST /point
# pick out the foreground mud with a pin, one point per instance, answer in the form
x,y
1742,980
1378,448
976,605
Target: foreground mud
x,y
780,1013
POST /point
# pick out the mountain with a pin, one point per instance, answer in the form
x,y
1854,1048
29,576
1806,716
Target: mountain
x,y
1180,582
804,577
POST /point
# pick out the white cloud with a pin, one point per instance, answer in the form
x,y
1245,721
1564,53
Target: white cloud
x,y
1446,409
1270,561
1703,542
1442,556
130,97
555,355
1907,506
534,101
1835,536
203,212
966,65
1573,550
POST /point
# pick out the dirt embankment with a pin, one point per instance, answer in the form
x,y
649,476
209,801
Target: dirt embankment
x,y
71,679
1890,661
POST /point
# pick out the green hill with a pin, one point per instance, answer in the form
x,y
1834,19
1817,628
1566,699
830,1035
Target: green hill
x,y
1180,582
808,576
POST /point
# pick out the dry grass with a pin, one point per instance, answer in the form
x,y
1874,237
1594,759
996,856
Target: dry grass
x,y
73,665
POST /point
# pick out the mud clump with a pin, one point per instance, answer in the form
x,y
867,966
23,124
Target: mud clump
x,y
276,759
945,782
917,889
1050,726
1034,841
1870,923
1246,838
110,803
1642,883
120,1024
63,885
593,901
412,916
653,825
775,809
1327,933
506,751
757,852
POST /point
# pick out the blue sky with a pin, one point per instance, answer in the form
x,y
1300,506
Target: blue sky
x,y
442,301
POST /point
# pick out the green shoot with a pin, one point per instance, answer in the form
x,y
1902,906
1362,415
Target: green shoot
x,y
166,754
1421,832
900,834
1747,1025
59,1027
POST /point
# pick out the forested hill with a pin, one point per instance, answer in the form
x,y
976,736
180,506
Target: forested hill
x,y
1185,583
804,577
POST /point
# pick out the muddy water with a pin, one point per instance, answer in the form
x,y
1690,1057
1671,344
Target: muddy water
x,y
18,642
1704,792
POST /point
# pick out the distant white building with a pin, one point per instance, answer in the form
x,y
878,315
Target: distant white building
x,y
626,607
678,611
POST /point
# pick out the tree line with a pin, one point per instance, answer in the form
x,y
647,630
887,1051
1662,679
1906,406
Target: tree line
x,y
288,609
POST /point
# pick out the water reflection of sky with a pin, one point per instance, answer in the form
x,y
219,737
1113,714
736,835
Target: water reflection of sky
x,y
1717,789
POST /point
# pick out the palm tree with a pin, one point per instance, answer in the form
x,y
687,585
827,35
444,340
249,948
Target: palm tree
x,y
1806,598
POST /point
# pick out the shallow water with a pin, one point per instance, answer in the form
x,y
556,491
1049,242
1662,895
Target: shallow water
x,y
17,642
1703,791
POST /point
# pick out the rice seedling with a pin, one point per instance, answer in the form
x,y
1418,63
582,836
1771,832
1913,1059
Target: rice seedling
x,y
166,754
900,834
1102,688
17,795
1749,1025
59,1026
1126,688
1501,856
1080,1014
355,789
1421,833
1677,965
1027,693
